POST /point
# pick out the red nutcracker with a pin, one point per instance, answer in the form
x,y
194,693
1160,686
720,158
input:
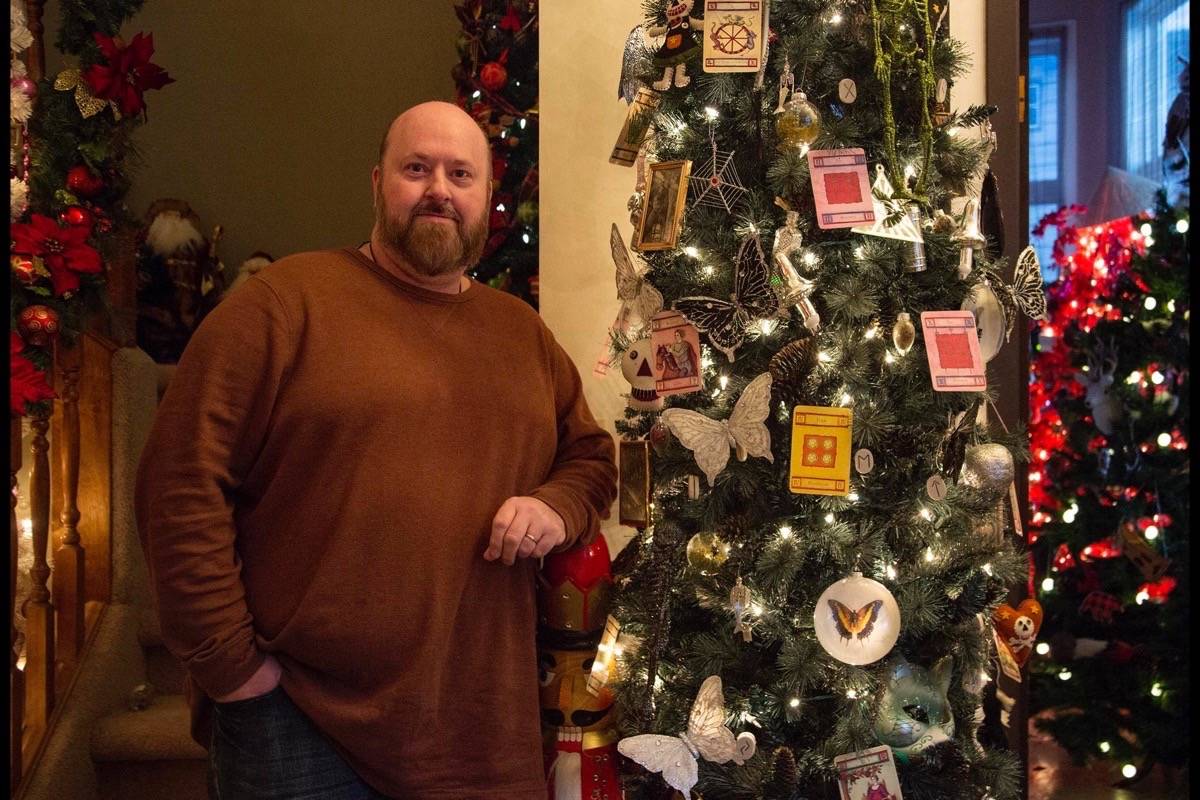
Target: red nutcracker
x,y
577,648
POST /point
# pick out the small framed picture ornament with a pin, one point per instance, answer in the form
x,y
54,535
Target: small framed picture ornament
x,y
952,346
820,451
675,348
868,775
634,494
662,210
841,188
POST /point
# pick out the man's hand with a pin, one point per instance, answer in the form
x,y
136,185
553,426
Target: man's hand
x,y
524,527
262,681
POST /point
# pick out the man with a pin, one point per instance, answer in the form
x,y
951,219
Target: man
x,y
359,461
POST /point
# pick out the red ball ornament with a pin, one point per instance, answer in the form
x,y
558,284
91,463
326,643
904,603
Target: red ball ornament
x,y
493,76
38,324
25,86
83,182
77,217
24,269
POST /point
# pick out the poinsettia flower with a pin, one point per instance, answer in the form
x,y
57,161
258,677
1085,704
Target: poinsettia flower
x,y
27,383
128,73
63,250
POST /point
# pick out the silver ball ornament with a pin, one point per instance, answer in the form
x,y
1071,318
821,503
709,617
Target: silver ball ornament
x,y
989,469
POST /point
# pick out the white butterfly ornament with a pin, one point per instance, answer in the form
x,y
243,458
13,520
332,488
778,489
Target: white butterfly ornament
x,y
711,439
676,757
639,300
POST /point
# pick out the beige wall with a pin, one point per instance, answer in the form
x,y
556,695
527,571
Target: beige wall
x,y
273,123
582,194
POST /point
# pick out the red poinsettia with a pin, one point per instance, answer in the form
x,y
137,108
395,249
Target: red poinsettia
x,y
27,384
128,73
63,250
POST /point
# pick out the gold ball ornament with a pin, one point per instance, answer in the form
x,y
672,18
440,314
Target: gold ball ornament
x,y
706,552
904,333
799,124
988,468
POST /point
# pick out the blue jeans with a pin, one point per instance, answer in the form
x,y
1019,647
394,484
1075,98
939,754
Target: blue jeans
x,y
266,748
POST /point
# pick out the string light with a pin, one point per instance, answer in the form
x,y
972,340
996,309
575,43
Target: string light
x,y
847,399
1070,514
987,568
1156,690
925,514
1164,439
810,258
708,269
500,206
1141,597
1129,770
1145,229
929,554
824,357
476,95
889,358
852,693
1048,584
794,702
835,19
1042,648
1157,377
859,252
829,518
711,113
723,380
1150,304
521,123
852,497
1134,378
891,571
785,532
872,331
1065,675
767,326
1151,532
1182,226
525,238
691,251
1104,747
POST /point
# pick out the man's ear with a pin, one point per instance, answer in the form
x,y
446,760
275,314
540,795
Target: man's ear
x,y
374,182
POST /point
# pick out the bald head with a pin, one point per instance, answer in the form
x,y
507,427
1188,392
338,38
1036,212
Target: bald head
x,y
443,119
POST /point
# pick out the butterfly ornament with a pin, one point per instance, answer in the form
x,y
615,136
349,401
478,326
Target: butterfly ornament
x,y
710,440
677,757
639,300
995,303
851,623
753,298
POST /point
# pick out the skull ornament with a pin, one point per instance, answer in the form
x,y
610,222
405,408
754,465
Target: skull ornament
x,y
1017,628
635,366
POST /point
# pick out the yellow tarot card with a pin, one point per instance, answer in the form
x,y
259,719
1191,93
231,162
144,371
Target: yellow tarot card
x,y
820,451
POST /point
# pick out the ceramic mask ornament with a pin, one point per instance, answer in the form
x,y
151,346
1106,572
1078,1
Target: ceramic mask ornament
x,y
914,711
636,367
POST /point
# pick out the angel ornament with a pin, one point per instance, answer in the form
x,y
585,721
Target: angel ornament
x,y
710,439
676,757
739,602
679,47
639,300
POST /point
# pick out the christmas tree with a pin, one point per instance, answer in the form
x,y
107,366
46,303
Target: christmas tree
x,y
496,83
1109,485
823,535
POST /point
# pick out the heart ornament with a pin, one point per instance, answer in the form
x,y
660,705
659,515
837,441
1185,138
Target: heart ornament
x,y
1017,628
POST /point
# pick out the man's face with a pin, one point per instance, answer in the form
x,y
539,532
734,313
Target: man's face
x,y
432,190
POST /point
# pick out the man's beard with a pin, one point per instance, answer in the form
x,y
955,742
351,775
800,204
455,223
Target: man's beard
x,y
432,248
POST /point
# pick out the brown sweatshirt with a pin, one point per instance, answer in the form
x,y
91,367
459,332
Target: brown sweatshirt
x,y
320,484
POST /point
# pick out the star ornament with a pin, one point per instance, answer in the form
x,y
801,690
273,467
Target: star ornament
x,y
716,183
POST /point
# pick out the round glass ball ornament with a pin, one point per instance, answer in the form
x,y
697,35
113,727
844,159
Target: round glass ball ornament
x,y
706,552
989,469
857,620
799,124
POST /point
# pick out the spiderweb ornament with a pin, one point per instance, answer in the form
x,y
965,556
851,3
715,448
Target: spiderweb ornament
x,y
716,183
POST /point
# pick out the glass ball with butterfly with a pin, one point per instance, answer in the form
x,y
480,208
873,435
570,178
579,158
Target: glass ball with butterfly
x,y
857,620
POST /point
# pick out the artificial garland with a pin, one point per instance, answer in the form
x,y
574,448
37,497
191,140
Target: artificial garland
x,y
68,179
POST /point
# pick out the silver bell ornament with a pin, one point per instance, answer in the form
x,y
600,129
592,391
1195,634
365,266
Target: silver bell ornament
x,y
969,238
988,468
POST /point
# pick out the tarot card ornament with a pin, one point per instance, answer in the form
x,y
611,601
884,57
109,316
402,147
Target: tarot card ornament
x,y
635,128
820,450
710,439
706,736
733,35
676,346
857,620
753,298
914,712
868,775
952,346
840,191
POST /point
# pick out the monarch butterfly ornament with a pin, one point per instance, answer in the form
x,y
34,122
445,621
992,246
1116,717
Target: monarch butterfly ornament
x,y
857,620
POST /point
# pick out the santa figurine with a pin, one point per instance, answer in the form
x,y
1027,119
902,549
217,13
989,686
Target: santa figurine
x,y
679,47
579,729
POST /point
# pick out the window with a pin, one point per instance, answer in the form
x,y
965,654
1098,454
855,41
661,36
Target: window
x,y
1047,53
1155,37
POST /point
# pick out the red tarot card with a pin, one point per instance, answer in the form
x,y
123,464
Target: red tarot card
x,y
868,775
952,345
840,187
676,345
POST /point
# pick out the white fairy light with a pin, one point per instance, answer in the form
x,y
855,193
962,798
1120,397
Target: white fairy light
x,y
1156,690
1134,378
1171,305
521,122
785,531
1048,584
925,514
835,18
987,568
1151,533
852,693
525,238
476,95
1141,597
810,258
1164,439
889,358
929,554
1150,304
767,326
1065,675
1042,648
1104,747
829,518
1146,229
1129,770
891,571
852,497
723,380
1157,377
1182,226
500,206
708,269
859,252
691,251
847,399
872,331
794,702
824,357
711,113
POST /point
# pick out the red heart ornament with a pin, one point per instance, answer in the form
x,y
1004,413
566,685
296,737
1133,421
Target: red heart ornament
x,y
1017,628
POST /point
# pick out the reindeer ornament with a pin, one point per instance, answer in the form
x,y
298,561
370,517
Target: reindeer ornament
x,y
1098,380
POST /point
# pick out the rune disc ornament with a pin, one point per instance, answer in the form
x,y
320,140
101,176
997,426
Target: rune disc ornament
x,y
716,183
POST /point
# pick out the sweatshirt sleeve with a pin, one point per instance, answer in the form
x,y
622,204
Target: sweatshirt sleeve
x,y
583,481
210,426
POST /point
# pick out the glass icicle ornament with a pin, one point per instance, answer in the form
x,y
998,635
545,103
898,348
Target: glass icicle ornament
x,y
904,333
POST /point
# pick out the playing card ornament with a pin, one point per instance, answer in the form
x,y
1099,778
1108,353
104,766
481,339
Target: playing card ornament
x,y
914,711
679,47
1017,628
711,439
636,367
857,620
706,736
